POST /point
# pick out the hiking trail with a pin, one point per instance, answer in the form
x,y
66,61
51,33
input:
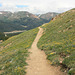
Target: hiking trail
x,y
37,62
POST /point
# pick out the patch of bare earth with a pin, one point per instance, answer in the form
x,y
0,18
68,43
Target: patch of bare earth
x,y
37,62
1,71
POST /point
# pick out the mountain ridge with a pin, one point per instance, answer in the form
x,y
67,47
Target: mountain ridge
x,y
21,20
48,15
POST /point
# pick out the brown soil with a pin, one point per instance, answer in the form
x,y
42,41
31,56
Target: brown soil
x,y
37,62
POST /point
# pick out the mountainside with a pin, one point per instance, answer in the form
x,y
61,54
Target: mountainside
x,y
58,41
48,16
14,52
18,21
16,15
22,14
4,15
22,20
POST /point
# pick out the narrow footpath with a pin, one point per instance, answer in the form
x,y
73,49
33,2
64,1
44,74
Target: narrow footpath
x,y
37,62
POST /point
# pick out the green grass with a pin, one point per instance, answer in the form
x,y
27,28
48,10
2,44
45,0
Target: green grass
x,y
14,51
58,40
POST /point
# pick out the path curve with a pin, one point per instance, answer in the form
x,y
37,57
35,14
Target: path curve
x,y
37,62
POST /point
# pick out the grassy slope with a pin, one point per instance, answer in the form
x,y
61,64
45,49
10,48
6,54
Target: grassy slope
x,y
14,51
58,40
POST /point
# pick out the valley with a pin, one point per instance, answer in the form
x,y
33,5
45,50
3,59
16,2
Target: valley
x,y
21,20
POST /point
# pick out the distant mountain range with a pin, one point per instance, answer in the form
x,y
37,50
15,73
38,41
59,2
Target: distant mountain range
x,y
48,16
22,20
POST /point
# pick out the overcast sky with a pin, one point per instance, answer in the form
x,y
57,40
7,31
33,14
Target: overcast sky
x,y
37,6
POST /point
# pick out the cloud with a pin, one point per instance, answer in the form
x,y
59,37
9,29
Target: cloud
x,y
37,6
21,6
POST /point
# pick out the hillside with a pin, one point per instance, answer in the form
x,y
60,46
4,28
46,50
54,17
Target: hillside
x,y
21,20
14,52
58,41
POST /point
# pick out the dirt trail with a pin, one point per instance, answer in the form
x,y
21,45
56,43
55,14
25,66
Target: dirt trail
x,y
37,62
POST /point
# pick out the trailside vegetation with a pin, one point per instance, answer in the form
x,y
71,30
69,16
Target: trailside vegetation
x,y
14,51
58,41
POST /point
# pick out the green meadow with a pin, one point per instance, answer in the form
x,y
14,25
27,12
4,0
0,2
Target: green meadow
x,y
58,41
14,51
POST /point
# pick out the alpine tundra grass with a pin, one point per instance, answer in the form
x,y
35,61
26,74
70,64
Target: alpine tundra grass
x,y
14,51
58,41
